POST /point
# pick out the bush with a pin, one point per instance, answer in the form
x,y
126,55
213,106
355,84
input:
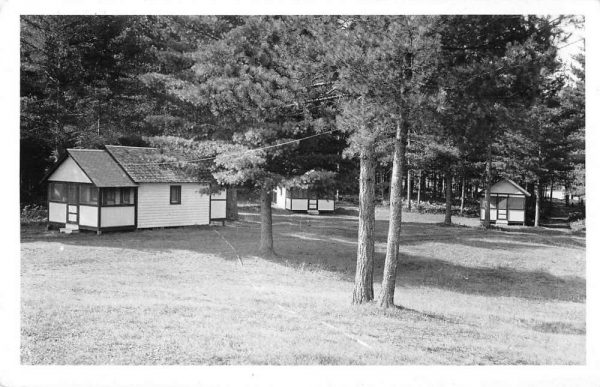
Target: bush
x,y
33,213
440,208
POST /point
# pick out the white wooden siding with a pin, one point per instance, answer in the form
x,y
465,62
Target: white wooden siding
x,y
57,212
492,214
69,171
288,204
155,210
299,204
281,201
117,216
218,209
326,205
516,215
88,216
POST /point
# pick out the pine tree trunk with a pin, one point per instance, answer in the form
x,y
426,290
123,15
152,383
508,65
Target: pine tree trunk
x,y
448,217
538,191
420,186
388,284
232,207
266,222
488,185
462,196
363,282
408,189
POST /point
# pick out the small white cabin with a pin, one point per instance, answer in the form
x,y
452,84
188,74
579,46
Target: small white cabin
x,y
125,188
507,203
296,199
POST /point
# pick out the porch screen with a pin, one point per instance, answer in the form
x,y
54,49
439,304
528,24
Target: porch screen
x,y
58,192
516,203
88,194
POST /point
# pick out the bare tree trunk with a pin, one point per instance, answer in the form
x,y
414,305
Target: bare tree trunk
x,y
462,195
408,189
538,191
419,187
488,185
266,222
363,281
448,217
388,284
232,208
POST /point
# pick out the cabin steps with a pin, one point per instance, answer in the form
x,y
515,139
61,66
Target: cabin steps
x,y
69,229
313,212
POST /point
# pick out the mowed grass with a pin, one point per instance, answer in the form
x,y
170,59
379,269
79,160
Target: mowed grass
x,y
181,296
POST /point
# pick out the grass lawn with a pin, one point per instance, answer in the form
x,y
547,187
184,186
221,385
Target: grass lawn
x,y
180,296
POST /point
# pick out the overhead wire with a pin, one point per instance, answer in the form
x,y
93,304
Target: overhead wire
x,y
241,152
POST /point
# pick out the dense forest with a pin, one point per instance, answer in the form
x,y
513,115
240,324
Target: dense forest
x,y
435,107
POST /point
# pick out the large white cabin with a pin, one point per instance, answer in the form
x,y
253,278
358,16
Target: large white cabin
x,y
121,187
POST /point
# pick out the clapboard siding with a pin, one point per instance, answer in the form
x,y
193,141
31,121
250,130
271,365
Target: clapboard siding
x,y
155,210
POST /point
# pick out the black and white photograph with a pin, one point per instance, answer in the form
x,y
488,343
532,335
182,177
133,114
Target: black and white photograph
x,y
289,189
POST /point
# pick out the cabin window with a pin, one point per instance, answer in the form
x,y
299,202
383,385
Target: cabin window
x,y
516,203
109,197
126,196
88,194
299,194
73,193
58,192
274,197
175,194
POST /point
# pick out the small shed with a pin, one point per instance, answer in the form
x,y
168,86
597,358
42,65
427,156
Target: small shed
x,y
302,200
125,188
507,203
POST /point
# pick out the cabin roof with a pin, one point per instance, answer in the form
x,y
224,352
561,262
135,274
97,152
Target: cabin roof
x,y
100,168
147,165
518,187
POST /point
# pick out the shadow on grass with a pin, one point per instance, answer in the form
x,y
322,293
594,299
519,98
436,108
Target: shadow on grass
x,y
329,244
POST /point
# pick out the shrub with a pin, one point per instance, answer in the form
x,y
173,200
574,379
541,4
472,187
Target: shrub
x,y
33,213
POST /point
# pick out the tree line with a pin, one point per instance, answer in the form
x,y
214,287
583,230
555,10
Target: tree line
x,y
431,101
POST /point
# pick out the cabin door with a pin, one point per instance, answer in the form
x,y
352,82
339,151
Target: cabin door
x,y
313,203
73,204
502,208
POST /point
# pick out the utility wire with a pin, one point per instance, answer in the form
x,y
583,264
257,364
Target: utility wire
x,y
245,151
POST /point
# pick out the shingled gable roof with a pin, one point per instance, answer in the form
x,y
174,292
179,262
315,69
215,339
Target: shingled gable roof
x,y
146,165
100,168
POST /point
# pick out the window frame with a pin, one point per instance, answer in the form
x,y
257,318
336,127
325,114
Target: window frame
x,y
177,190
92,189
63,196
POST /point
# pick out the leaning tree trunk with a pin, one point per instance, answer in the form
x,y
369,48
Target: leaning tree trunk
x,y
231,203
448,217
538,192
266,222
363,282
488,185
388,284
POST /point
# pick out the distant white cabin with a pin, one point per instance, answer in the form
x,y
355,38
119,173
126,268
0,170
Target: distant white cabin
x,y
507,203
125,188
295,199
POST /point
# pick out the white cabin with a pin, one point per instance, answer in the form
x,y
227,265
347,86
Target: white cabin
x,y
121,188
296,199
507,203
